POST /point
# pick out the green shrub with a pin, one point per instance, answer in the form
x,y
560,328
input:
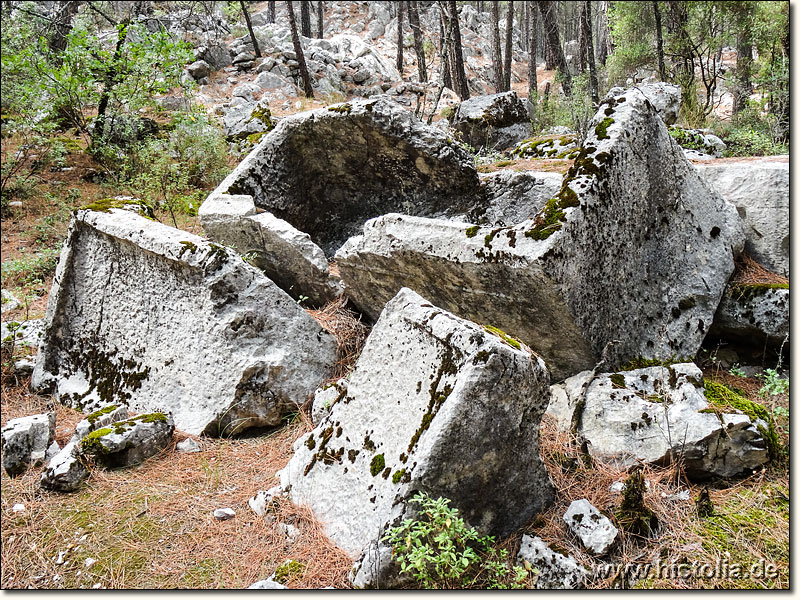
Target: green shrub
x,y
440,551
30,270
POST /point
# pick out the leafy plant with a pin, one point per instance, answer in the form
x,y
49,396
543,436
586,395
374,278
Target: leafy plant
x,y
774,384
30,270
737,371
441,551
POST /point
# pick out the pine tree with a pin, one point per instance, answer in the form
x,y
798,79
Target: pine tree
x,y
586,19
320,28
456,55
305,18
256,49
533,44
507,58
497,59
419,50
550,21
298,50
271,11
400,13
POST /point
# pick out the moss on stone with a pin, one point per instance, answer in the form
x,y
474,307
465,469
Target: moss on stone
x,y
722,396
289,569
377,465
345,108
601,129
95,416
516,344
618,381
472,231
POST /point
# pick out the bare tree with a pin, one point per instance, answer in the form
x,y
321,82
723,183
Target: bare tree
x,y
400,12
604,46
444,33
320,28
62,22
298,50
549,19
305,18
497,59
413,20
533,43
445,43
662,70
256,49
507,58
586,19
271,11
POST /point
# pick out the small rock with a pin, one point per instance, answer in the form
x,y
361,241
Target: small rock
x,y
595,530
361,75
67,470
243,57
89,562
25,441
223,514
24,366
199,69
97,586
290,531
189,445
52,450
18,508
683,495
262,500
60,557
267,584
102,417
556,571
9,301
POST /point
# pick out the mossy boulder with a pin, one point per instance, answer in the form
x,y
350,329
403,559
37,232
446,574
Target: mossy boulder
x,y
130,442
497,121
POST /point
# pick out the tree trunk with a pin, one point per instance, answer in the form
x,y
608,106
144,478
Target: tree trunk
x,y
305,18
320,28
250,28
298,50
62,26
497,59
400,13
586,24
662,70
457,56
744,62
445,43
603,33
271,11
549,19
533,42
444,33
419,50
581,43
508,57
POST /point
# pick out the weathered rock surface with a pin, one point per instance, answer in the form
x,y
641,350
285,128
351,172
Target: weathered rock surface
x,y
496,121
564,146
155,318
26,440
759,188
130,442
217,56
665,98
287,256
516,196
327,171
700,141
67,470
99,419
199,69
246,119
755,315
9,301
655,415
635,247
556,571
594,529
457,421
267,584
326,397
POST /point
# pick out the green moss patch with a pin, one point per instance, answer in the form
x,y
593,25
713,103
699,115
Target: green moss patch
x,y
516,344
377,465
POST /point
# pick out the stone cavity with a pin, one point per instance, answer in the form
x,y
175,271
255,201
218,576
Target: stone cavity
x,y
496,121
329,170
154,318
655,415
556,571
759,188
26,440
753,315
635,247
460,420
286,255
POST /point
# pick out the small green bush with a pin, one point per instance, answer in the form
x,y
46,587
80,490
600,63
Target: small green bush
x,y
30,270
440,551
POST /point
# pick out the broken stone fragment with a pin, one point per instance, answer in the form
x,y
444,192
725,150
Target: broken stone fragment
x,y
26,441
458,419
634,248
329,170
67,470
658,415
263,500
223,514
130,442
555,571
188,446
158,319
754,314
98,419
516,196
593,529
287,256
496,121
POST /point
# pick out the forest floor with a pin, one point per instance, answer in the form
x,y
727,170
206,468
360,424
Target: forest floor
x,y
151,526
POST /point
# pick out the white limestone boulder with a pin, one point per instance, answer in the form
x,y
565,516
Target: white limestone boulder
x,y
754,314
436,404
67,470
26,440
658,415
759,188
99,419
635,247
159,319
516,196
495,121
286,255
